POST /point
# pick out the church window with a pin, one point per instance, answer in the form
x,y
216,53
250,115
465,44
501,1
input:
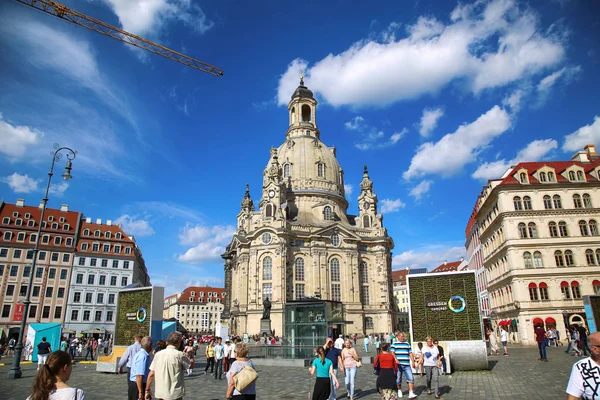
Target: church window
x,y
334,265
366,221
364,273
266,238
368,322
306,113
327,213
267,268
335,239
321,170
270,210
267,290
336,292
364,294
299,269
286,170
299,291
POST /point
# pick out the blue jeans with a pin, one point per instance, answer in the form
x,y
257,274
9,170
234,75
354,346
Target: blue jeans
x,y
407,371
367,347
584,346
349,380
219,369
332,395
542,349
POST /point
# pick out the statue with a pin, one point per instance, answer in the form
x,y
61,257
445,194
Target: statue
x,y
267,310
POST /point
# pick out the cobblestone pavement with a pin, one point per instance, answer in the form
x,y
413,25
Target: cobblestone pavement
x,y
518,376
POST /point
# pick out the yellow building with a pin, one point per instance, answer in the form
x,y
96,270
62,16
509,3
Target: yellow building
x,y
302,249
538,227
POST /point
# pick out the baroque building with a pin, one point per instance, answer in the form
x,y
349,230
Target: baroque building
x,y
317,265
198,308
540,243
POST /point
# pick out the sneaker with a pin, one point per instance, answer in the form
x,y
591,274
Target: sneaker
x,y
412,395
399,393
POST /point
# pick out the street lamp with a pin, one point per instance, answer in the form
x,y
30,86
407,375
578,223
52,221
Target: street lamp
x,y
15,371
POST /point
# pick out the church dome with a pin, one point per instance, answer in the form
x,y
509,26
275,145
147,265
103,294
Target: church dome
x,y
302,91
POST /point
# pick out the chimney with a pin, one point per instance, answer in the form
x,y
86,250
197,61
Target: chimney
x,y
445,262
581,156
41,204
20,203
591,150
462,259
64,207
99,221
108,222
88,220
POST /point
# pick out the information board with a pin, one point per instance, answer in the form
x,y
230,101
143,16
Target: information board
x,y
133,315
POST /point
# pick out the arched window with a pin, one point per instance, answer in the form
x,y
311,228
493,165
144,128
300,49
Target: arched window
x,y
569,260
527,260
575,290
593,227
564,289
589,257
517,203
321,170
551,176
537,260
596,286
579,175
366,221
523,177
118,235
542,177
527,203
547,202
306,114
533,292
557,201
97,233
364,273
335,239
577,201
270,210
327,213
553,229
299,269
293,114
334,266
587,201
543,291
559,259
598,256
571,175
86,232
532,230
267,268
583,228
562,229
522,230
286,170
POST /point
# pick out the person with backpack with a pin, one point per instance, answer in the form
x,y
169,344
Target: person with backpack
x,y
244,387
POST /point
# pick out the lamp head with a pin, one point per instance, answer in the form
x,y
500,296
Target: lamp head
x,y
67,175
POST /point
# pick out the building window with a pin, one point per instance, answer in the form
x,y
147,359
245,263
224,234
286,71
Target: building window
x,y
327,213
580,176
14,270
7,236
125,264
23,290
74,315
61,293
553,229
93,262
54,257
52,273
88,297
336,292
124,281
542,177
589,257
111,298
364,294
26,271
76,297
115,264
571,175
366,221
543,291
10,290
21,237
320,170
32,237
109,316
517,203
29,255
334,266
286,170
66,257
117,249
266,238
100,298
335,239
58,312
369,323
97,233
587,201
564,289
537,260
96,247
532,230
17,253
267,269
118,235
551,176
299,291
91,279
102,280
46,239
577,201
49,291
523,177
583,228
527,260
562,229
270,210
522,231
593,227
107,234
31,223
128,249
39,272
113,281
57,240
36,291
106,248
84,247
569,260
596,286
299,269
5,311
6,221
98,316
104,263
557,201
86,315
79,279
32,311
364,273
527,203
547,202
533,292
46,312
69,242
267,291
559,259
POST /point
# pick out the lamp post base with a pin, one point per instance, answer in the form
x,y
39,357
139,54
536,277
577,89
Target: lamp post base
x,y
14,374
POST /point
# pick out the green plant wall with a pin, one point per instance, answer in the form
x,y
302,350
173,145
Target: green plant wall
x,y
131,302
438,321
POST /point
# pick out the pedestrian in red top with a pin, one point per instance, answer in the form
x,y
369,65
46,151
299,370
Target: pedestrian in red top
x,y
541,337
388,368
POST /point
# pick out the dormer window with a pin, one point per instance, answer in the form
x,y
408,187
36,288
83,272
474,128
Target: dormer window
x,y
51,218
97,233
54,226
127,250
57,240
542,177
193,293
6,221
107,234
84,247
19,222
31,223
327,213
201,294
86,232
571,175
66,227
118,235
523,177
580,176
27,215
61,220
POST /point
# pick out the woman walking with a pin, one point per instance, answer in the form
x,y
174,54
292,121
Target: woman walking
x,y
210,357
431,363
493,343
350,359
51,381
190,352
324,370
388,368
241,361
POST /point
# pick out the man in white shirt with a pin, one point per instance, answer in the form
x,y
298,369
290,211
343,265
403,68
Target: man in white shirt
x,y
168,368
219,355
339,342
584,382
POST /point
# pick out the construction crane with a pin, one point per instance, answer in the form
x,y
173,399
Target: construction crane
x,y
64,12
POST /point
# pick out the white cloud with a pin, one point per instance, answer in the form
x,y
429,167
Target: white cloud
x,y
428,257
150,16
565,74
21,183
357,123
17,139
534,151
513,101
454,150
132,225
348,188
588,134
390,206
370,136
190,276
421,189
485,45
208,242
58,189
429,120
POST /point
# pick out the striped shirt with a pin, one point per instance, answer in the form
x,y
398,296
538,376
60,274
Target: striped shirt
x,y
402,351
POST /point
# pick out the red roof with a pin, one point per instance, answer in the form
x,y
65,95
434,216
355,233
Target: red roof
x,y
399,276
448,267
125,241
558,166
201,295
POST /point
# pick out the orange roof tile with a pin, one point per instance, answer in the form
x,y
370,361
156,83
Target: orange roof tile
x,y
448,267
197,299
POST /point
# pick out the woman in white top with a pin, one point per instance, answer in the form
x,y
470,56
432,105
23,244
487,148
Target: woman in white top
x,y
431,364
51,380
504,340
493,343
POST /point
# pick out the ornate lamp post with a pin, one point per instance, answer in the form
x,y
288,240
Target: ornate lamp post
x,y
15,371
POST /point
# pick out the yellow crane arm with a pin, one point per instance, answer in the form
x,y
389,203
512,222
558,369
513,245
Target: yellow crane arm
x,y
64,12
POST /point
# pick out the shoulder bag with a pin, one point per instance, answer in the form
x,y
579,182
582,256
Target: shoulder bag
x,y
245,378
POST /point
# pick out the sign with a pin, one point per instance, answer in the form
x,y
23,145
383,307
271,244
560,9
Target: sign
x,y
18,315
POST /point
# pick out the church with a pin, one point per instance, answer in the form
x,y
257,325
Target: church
x,y
324,271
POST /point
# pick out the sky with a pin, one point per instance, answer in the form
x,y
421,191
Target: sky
x,y
436,97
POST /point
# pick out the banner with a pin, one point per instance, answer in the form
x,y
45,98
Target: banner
x,y
18,314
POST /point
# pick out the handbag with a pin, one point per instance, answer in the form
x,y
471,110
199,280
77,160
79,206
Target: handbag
x,y
376,368
358,364
245,378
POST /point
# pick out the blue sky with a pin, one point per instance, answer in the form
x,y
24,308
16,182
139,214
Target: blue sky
x,y
436,97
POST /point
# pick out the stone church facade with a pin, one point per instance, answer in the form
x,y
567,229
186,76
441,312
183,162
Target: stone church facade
x,y
299,245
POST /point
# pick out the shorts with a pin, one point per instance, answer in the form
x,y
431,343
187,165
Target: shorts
x,y
407,370
504,344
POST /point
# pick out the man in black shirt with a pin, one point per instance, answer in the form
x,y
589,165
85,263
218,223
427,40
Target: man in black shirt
x,y
584,340
43,352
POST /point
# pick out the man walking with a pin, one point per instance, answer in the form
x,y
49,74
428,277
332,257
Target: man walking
x,y
339,343
44,351
140,368
125,361
366,344
541,338
583,339
335,355
403,352
168,368
219,355
583,383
